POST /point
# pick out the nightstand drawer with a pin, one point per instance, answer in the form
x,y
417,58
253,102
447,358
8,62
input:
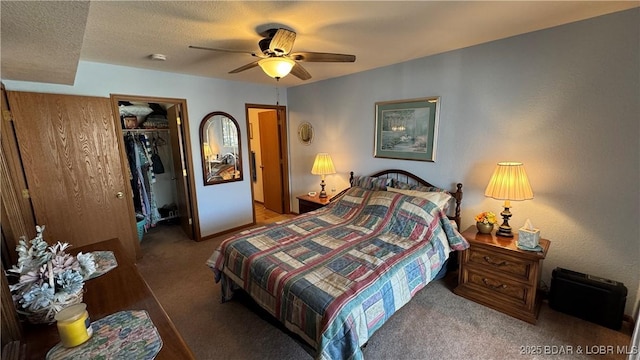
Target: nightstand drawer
x,y
509,265
307,206
307,203
495,286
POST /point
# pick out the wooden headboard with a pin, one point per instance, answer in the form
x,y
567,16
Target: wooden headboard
x,y
407,177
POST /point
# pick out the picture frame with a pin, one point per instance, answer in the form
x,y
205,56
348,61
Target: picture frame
x,y
407,129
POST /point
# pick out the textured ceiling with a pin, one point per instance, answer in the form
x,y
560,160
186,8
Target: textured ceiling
x,y
43,41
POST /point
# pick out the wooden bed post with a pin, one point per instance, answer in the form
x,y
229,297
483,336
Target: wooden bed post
x,y
458,196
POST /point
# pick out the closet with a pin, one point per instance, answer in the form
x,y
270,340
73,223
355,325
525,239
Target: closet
x,y
147,143
159,169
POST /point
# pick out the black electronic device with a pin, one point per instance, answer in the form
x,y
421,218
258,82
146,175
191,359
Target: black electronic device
x,y
588,297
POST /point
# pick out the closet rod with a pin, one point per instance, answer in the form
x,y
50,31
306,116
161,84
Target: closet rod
x,y
143,130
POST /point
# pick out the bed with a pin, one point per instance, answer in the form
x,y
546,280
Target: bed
x,y
333,276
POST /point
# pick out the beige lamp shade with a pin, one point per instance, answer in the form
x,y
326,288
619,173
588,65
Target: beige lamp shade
x,y
509,182
276,67
207,150
323,165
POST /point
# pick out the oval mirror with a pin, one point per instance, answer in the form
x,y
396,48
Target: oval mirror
x,y
220,148
305,133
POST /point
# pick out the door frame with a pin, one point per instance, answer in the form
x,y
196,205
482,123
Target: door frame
x,y
284,150
191,197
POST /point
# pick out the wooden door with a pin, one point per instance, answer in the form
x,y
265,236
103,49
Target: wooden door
x,y
271,161
176,131
71,159
17,220
17,214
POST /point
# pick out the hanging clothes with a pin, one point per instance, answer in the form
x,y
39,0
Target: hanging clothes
x,y
138,150
158,167
130,149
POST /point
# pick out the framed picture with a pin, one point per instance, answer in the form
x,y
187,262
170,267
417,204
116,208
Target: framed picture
x,y
407,129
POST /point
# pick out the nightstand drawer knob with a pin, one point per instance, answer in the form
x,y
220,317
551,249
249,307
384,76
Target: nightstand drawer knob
x,y
488,284
490,261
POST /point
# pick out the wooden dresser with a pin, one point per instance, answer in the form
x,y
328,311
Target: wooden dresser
x,y
122,288
495,273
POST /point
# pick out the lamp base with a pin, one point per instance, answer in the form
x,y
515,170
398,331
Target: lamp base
x,y
323,194
505,229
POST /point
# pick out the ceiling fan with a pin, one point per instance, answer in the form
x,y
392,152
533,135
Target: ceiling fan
x,y
277,60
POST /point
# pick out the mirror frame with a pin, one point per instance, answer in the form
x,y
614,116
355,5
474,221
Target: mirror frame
x,y
309,130
203,127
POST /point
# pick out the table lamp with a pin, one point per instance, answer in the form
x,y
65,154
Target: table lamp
x,y
207,151
207,155
508,182
323,165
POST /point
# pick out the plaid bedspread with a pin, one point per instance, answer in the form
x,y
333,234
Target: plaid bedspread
x,y
335,275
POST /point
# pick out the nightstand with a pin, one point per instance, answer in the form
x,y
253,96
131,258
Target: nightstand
x,y
495,273
308,203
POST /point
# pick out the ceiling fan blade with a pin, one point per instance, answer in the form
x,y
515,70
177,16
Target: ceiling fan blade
x,y
282,42
300,72
322,57
223,50
244,67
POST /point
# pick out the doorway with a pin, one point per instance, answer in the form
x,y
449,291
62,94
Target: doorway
x,y
166,193
268,152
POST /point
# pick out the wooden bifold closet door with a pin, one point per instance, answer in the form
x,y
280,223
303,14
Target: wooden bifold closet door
x,y
74,170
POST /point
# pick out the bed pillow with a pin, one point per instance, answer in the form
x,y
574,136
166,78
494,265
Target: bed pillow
x,y
371,183
401,185
429,189
437,197
406,186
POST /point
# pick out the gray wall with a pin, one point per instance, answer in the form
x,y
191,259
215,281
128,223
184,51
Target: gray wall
x,y
564,101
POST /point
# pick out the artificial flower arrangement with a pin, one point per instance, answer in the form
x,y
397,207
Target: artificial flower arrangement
x,y
486,217
49,278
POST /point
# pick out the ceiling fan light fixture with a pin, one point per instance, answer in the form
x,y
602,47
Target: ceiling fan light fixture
x,y
276,67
